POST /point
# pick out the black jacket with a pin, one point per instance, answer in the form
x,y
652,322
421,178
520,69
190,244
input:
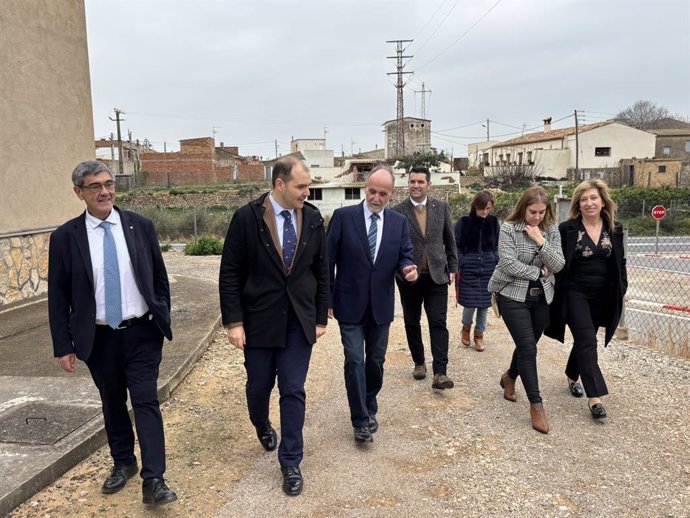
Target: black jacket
x,y
477,242
254,287
618,282
71,302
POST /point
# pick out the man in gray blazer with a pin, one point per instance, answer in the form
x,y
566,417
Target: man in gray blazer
x,y
431,231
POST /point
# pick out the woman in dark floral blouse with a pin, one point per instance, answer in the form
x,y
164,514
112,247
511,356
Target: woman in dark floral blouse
x,y
591,287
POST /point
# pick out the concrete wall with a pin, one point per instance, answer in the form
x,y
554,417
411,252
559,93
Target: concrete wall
x,y
417,136
46,97
624,141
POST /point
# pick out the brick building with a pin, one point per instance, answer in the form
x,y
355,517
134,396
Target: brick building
x,y
198,162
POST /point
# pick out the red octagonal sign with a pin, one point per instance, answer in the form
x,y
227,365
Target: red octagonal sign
x,y
659,212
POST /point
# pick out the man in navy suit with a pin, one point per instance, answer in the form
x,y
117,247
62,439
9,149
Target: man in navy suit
x,y
274,301
368,245
109,306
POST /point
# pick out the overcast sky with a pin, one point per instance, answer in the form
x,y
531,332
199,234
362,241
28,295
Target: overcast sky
x,y
266,70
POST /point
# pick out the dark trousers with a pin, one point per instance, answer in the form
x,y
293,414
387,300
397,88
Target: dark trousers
x,y
585,312
364,345
128,359
435,299
526,322
290,364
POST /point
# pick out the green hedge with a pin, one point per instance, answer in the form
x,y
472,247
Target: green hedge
x,y
205,245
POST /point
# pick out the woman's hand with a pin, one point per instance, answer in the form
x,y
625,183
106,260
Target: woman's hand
x,y
535,235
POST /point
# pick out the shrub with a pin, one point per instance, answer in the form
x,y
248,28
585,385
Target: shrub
x,y
205,245
166,247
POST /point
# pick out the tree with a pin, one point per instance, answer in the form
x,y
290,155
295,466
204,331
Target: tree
x,y
643,114
511,177
430,159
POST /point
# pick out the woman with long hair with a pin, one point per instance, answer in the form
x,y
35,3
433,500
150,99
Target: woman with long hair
x,y
476,237
591,287
529,250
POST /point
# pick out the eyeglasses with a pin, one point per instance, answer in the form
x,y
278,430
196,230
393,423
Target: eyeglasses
x,y
97,187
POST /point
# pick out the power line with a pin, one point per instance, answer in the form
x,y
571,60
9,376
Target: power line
x,y
462,35
429,20
438,26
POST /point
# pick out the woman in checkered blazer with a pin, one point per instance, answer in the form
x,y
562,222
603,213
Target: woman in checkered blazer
x,y
529,251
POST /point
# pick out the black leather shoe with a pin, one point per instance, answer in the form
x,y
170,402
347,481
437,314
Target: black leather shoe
x,y
363,434
119,476
373,423
576,389
293,483
156,492
598,411
267,437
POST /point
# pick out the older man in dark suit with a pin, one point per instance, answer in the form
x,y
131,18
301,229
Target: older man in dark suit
x,y
274,303
367,245
109,306
433,241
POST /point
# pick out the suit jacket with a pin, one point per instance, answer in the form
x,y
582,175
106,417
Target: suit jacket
x,y
618,282
357,282
438,244
256,290
71,302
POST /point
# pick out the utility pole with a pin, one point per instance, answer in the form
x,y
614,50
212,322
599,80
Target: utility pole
x,y
325,130
276,143
577,150
423,92
117,119
400,138
487,130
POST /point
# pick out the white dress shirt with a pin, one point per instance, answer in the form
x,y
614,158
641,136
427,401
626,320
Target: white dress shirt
x,y
379,230
133,304
417,204
280,220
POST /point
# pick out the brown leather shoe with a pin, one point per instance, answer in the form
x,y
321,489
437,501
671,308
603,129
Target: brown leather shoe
x,y
508,385
465,336
441,382
479,340
419,372
539,422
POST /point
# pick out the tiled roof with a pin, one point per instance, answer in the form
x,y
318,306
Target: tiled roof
x,y
542,136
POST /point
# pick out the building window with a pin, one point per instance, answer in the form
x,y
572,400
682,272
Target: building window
x,y
687,146
662,168
352,193
485,158
529,158
316,194
667,151
519,158
602,151
508,158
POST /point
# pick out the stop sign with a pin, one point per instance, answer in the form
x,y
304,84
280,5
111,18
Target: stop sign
x,y
658,212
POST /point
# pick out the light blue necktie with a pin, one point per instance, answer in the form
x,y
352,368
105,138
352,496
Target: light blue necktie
x,y
373,231
289,239
111,276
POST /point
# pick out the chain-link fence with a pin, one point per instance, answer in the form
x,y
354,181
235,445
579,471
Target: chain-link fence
x,y
657,308
184,225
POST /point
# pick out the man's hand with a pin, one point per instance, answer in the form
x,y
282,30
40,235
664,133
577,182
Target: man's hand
x,y
320,331
451,278
410,273
236,337
330,313
68,361
535,234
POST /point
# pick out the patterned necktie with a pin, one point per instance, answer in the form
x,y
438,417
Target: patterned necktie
x,y
373,231
111,276
289,239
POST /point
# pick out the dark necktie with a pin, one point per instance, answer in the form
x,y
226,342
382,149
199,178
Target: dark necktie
x,y
111,278
289,239
373,232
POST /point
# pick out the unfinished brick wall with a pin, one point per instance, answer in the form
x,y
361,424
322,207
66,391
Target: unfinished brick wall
x,y
193,164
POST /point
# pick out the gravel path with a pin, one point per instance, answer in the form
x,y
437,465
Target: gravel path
x,y
460,452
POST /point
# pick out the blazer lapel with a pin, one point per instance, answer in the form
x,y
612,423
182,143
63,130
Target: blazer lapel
x,y
275,251
571,241
83,244
128,230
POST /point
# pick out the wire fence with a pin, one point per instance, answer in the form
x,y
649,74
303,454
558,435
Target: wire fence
x,y
657,307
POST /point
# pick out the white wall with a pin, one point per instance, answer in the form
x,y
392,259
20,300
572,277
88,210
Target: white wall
x,y
624,141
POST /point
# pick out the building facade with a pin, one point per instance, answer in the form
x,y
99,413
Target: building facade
x,y
416,136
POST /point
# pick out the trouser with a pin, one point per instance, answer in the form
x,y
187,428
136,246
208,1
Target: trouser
x,y
585,312
290,364
526,322
482,315
364,346
128,359
435,299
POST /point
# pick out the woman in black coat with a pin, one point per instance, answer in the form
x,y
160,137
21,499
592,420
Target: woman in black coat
x,y
476,237
591,287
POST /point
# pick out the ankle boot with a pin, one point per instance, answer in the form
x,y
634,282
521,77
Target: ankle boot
x,y
539,422
508,385
465,336
479,340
